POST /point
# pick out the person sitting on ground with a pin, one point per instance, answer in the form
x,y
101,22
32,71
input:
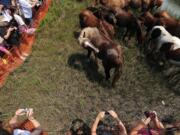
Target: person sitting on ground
x,y
23,28
3,44
12,39
150,126
4,17
99,128
6,3
25,128
26,8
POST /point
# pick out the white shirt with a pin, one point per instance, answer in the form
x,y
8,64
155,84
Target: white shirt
x,y
21,132
26,8
7,16
1,40
19,20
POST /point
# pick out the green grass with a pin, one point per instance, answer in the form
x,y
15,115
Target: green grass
x,y
61,85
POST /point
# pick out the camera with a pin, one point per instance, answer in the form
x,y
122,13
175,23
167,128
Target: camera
x,y
149,114
25,110
106,113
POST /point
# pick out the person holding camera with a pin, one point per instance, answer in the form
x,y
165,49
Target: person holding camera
x,y
29,127
149,126
99,128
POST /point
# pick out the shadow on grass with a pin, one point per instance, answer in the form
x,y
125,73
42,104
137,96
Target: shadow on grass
x,y
82,63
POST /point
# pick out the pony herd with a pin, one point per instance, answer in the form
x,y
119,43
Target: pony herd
x,y
156,32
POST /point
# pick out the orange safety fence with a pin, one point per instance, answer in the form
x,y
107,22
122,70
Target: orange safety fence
x,y
11,62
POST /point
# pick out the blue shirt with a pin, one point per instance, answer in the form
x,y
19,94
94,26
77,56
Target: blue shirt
x,y
6,3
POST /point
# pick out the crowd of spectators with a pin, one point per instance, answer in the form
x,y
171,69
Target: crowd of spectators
x,y
23,122
16,17
109,123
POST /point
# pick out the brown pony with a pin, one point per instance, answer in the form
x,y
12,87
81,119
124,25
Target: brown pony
x,y
105,49
163,14
136,4
144,5
171,25
130,22
150,4
112,4
88,19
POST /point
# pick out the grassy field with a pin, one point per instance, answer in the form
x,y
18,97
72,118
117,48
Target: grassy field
x,y
61,85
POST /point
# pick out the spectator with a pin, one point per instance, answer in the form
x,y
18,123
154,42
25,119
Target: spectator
x,y
3,19
79,127
17,127
6,3
23,28
99,128
145,127
26,9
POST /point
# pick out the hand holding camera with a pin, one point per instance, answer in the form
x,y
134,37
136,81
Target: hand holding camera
x,y
150,114
27,111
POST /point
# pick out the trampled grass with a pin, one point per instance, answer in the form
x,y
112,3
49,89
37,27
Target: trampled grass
x,y
61,85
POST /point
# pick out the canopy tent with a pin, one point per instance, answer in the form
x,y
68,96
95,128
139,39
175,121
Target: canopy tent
x,y
172,6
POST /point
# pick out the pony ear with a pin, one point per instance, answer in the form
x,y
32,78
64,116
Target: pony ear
x,y
84,34
155,33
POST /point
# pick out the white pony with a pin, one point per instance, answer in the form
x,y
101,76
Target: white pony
x,y
85,36
162,38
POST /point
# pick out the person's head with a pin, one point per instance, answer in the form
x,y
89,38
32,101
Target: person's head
x,y
107,127
79,127
1,7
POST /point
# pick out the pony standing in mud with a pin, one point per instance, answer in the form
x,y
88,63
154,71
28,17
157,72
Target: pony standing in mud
x,y
105,49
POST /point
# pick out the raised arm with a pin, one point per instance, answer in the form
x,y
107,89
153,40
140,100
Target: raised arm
x,y
8,33
158,124
14,120
139,126
96,122
38,129
121,127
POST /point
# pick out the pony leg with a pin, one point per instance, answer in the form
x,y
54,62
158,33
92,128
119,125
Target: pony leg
x,y
89,54
117,74
125,34
130,35
107,70
96,61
